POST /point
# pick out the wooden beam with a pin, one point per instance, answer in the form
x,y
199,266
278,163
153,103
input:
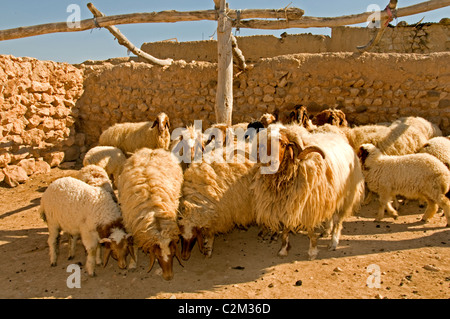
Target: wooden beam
x,y
169,16
224,92
237,53
125,42
294,19
329,22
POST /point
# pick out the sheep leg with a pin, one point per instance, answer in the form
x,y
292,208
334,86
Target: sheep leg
x,y
53,243
445,205
313,250
72,246
98,255
285,245
133,262
385,203
336,232
90,243
208,245
432,208
328,228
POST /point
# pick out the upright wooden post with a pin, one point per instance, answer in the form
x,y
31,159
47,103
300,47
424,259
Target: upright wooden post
x,y
224,93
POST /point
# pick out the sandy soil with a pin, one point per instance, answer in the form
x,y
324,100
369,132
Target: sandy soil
x,y
412,258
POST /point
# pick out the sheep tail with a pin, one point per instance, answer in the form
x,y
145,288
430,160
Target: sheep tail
x,y
42,213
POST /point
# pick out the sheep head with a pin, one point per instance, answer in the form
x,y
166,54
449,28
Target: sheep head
x,y
118,245
188,240
289,147
330,116
266,119
164,253
299,115
364,151
162,121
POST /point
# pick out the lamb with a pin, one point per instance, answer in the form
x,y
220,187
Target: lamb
x,y
414,176
149,191
96,176
110,158
129,137
307,189
77,208
439,147
215,199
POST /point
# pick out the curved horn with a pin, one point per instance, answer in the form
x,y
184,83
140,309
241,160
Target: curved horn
x,y
310,149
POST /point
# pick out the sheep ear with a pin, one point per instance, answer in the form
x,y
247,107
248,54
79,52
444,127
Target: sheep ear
x,y
310,149
177,252
104,240
362,154
152,260
155,123
167,124
106,255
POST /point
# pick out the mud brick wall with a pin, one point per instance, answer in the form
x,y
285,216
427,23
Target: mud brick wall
x,y
369,88
37,116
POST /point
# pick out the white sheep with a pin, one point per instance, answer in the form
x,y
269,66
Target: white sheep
x,y
216,198
110,158
96,176
79,209
129,137
403,136
307,189
414,176
149,191
439,147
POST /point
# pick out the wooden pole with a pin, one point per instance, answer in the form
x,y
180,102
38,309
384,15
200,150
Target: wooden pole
x,y
125,42
224,94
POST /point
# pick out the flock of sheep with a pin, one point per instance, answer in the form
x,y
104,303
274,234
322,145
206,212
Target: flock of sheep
x,y
322,170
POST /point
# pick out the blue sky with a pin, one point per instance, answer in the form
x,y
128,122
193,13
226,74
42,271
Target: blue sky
x,y
99,44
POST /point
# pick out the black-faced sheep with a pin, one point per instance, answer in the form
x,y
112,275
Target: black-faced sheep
x,y
414,176
129,137
79,209
318,178
149,191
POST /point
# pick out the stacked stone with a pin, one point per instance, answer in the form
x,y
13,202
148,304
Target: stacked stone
x,y
37,116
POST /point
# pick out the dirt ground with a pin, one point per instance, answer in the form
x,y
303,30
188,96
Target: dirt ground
x,y
412,259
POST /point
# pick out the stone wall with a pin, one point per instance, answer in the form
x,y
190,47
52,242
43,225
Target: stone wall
x,y
368,87
421,38
37,116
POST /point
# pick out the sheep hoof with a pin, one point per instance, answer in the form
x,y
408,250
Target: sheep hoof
x,y
53,264
70,257
332,247
424,220
283,253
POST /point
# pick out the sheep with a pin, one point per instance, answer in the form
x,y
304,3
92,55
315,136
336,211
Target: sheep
x,y
414,176
438,147
189,140
77,208
96,176
215,199
129,137
307,189
403,136
109,158
330,116
149,191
